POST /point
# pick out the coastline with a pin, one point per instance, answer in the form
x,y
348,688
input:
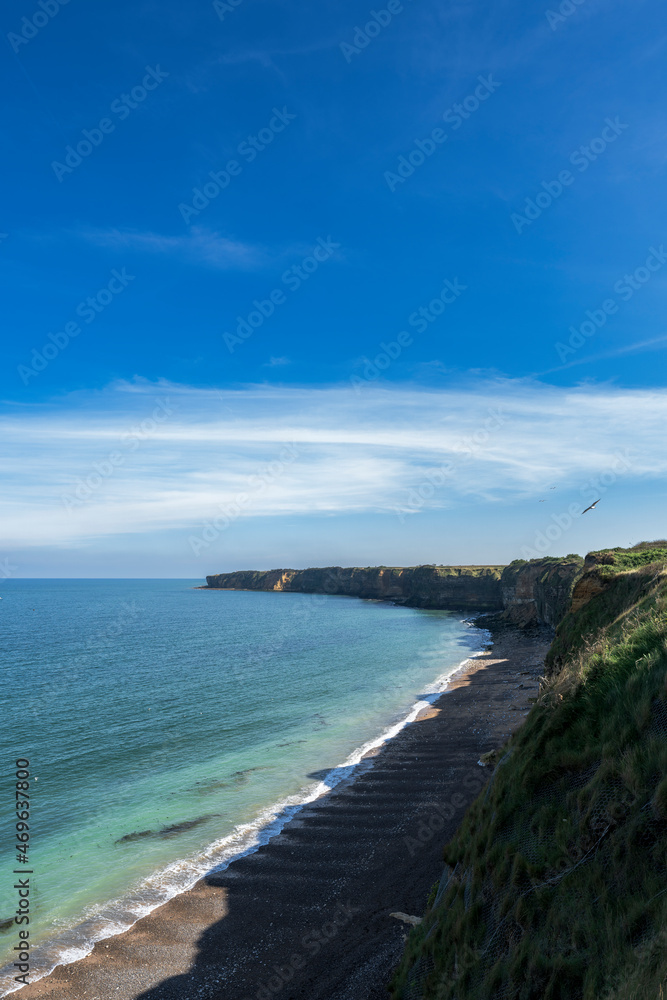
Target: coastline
x,y
474,711
118,915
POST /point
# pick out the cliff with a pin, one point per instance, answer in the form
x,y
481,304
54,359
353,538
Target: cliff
x,y
525,592
469,588
612,582
539,590
554,885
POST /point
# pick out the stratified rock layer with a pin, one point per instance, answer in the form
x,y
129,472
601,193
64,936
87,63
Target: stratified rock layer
x,y
526,592
539,590
472,588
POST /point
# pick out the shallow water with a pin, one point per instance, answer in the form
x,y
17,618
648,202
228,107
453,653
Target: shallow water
x,y
170,729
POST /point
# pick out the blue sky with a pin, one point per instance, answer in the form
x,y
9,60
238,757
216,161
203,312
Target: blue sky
x,y
312,250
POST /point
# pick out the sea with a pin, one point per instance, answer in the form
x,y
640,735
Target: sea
x,y
171,729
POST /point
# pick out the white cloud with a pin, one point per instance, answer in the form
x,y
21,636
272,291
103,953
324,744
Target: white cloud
x,y
182,452
276,362
199,245
655,343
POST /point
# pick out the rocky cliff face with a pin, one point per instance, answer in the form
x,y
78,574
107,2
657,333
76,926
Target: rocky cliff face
x,y
469,588
574,816
591,582
525,592
542,591
549,591
539,590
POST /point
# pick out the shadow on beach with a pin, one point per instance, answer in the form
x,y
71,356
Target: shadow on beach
x,y
310,914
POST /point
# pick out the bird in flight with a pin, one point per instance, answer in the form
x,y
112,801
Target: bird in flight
x,y
591,506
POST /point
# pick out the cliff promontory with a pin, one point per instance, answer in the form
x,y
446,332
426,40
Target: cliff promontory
x,y
470,588
525,592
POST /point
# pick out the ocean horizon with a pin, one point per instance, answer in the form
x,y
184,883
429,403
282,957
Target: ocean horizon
x,y
171,729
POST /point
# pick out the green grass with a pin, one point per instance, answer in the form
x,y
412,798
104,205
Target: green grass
x,y
626,582
640,555
559,888
627,559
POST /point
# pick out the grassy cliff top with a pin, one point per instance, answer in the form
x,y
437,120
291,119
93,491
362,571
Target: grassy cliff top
x,y
620,560
368,569
556,886
613,584
471,570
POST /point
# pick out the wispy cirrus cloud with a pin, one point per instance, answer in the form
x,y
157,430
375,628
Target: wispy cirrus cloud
x,y
653,344
277,362
199,246
355,453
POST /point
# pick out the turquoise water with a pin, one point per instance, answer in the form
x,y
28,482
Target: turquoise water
x,y
170,729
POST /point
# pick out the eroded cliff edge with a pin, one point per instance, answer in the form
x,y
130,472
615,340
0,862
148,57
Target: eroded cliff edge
x,y
554,885
474,588
525,592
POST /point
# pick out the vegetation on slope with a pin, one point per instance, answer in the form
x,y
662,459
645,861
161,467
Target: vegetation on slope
x,y
512,571
615,581
555,885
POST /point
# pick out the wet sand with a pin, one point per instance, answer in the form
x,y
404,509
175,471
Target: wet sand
x,y
308,916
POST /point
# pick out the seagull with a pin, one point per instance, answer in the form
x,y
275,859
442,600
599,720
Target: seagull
x,y
591,506
541,501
